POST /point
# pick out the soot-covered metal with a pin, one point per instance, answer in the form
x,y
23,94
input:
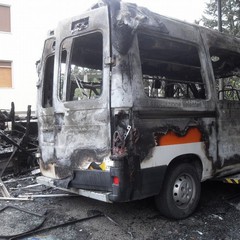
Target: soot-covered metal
x,y
133,93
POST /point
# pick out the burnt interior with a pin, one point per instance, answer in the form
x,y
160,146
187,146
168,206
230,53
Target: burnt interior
x,y
225,63
226,67
85,68
170,69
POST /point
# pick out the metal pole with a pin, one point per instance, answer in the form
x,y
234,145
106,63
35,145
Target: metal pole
x,y
219,8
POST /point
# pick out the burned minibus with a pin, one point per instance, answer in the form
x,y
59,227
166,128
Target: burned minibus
x,y
132,104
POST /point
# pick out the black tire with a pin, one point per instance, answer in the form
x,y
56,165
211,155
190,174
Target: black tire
x,y
180,192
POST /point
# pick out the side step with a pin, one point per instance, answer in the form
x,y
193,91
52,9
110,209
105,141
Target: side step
x,y
101,196
232,179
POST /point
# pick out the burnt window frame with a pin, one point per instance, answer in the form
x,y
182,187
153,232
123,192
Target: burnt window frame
x,y
48,51
66,80
50,84
202,72
61,88
228,90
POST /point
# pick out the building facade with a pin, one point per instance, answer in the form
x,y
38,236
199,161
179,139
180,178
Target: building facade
x,y
17,67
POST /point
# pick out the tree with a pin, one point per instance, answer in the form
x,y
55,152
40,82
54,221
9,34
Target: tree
x,y
231,25
230,16
88,82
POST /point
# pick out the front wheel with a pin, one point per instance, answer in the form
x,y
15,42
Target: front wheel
x,y
180,193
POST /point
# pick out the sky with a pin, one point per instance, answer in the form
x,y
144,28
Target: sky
x,y
45,14
188,10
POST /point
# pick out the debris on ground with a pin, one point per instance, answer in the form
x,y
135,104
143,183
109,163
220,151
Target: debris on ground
x,y
26,188
18,141
17,221
67,218
36,229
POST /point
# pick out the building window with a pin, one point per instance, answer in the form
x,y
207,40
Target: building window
x,y
5,74
5,19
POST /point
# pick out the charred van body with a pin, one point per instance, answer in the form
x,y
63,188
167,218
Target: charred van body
x,y
130,107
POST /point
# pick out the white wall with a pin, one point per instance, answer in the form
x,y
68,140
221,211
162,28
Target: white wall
x,y
17,47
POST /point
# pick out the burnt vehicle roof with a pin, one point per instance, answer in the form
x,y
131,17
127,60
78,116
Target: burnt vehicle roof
x,y
127,18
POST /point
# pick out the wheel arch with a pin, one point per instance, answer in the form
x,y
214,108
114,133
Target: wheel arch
x,y
192,159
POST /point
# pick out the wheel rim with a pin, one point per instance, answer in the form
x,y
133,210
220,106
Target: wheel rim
x,y
184,190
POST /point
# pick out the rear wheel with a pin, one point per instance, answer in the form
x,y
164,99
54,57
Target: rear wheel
x,y
180,193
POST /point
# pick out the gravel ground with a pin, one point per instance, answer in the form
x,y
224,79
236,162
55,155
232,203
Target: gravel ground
x,y
217,217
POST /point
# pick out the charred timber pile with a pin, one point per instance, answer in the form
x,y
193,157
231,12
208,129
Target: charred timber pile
x,y
18,141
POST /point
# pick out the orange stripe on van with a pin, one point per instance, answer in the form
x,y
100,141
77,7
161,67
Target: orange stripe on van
x,y
193,135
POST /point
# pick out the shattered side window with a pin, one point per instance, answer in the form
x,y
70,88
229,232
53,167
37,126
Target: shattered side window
x,y
226,68
47,98
170,69
85,73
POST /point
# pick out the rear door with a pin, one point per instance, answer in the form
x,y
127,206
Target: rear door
x,y
81,95
45,109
